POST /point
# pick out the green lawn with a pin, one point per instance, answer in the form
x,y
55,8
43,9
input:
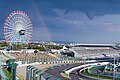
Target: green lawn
x,y
7,73
97,76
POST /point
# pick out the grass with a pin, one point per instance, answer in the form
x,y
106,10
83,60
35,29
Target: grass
x,y
20,77
5,55
7,73
98,76
65,75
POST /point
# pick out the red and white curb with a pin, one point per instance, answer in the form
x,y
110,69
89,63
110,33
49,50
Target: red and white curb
x,y
50,62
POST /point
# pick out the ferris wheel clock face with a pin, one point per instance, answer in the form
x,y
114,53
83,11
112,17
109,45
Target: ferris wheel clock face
x,y
18,28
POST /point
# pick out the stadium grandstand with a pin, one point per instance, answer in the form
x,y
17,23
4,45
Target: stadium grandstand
x,y
94,51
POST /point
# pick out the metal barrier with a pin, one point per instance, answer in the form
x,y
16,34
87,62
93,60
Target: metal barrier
x,y
20,63
3,76
33,73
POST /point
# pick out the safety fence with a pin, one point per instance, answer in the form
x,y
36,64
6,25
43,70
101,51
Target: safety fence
x,y
33,73
20,64
3,76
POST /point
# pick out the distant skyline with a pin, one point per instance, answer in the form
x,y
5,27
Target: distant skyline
x,y
85,21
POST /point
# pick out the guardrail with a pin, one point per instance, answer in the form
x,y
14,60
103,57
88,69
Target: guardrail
x,y
33,73
78,67
2,75
20,64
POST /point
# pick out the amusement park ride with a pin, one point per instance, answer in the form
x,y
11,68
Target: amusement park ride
x,y
17,30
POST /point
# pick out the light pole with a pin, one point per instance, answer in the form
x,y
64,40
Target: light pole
x,y
114,70
0,71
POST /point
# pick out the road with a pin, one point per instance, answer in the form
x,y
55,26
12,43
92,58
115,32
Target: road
x,y
21,71
82,77
56,71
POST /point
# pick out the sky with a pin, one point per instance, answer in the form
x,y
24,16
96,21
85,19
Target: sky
x,y
85,21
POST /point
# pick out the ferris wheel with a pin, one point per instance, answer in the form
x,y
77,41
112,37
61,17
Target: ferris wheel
x,y
18,28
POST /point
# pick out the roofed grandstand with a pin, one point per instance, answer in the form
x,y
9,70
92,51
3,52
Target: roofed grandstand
x,y
95,51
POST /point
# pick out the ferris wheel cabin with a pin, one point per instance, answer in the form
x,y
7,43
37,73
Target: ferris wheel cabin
x,y
22,32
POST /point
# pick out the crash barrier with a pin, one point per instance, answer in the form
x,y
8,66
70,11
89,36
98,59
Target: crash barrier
x,y
107,70
2,75
81,66
20,64
49,62
33,73
8,71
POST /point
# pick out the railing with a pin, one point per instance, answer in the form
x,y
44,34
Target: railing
x,y
33,73
2,74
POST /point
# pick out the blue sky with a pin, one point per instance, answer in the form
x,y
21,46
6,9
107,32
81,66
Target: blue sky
x,y
86,21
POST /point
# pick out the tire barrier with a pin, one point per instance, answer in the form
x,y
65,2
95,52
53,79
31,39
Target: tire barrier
x,y
33,73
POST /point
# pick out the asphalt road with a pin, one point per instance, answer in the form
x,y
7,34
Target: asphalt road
x,y
21,71
57,70
82,76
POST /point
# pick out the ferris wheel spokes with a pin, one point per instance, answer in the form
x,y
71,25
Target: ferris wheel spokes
x,y
18,28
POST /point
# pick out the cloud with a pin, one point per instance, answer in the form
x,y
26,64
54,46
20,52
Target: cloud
x,y
77,19
76,26
69,20
90,8
39,33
